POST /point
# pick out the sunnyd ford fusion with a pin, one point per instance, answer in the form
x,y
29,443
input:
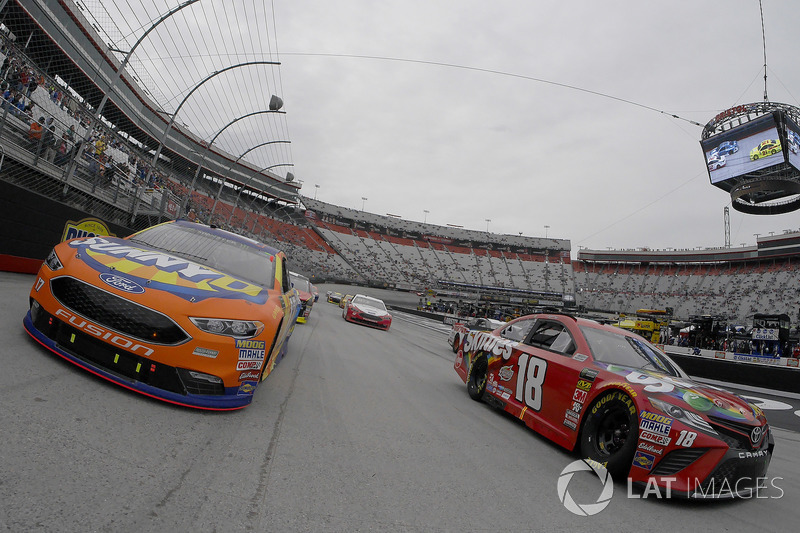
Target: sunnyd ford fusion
x,y
182,312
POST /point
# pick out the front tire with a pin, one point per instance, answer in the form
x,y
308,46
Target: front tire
x,y
610,432
476,381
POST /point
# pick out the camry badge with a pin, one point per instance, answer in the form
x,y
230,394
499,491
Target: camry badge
x,y
755,435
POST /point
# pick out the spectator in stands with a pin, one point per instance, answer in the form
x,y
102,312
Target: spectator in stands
x,y
24,77
28,112
100,147
35,133
21,105
14,104
5,65
49,143
62,152
109,172
8,95
13,79
32,85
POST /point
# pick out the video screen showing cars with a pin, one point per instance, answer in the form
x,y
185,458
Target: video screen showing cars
x,y
793,143
744,149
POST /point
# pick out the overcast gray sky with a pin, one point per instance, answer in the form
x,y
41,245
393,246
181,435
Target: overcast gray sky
x,y
411,134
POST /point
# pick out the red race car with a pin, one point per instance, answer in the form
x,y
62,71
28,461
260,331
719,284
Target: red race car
x,y
367,311
621,402
304,288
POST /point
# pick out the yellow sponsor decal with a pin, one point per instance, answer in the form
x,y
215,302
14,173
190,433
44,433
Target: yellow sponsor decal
x,y
217,282
87,227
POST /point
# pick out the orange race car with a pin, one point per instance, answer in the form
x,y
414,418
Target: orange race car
x,y
186,313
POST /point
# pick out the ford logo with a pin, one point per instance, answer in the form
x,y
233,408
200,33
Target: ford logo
x,y
121,283
755,435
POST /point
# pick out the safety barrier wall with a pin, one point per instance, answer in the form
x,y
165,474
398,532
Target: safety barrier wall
x,y
33,224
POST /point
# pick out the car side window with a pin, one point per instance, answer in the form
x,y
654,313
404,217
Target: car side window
x,y
552,336
286,283
518,330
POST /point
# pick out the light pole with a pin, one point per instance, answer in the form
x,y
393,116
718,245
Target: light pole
x,y
487,224
363,201
73,161
426,216
208,149
316,189
274,105
546,227
241,189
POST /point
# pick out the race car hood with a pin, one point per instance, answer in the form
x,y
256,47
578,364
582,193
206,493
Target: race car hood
x,y
113,262
369,310
697,397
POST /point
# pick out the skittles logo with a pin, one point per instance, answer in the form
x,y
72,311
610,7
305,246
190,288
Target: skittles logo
x,y
87,227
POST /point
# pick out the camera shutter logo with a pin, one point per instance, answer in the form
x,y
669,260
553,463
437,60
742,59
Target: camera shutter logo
x,y
587,509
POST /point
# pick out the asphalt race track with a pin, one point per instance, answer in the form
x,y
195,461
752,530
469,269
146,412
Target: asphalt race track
x,y
356,430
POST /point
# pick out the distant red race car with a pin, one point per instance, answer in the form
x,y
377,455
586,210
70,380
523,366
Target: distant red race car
x,y
621,402
304,288
367,311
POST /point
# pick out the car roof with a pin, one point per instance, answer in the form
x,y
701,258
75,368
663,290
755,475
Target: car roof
x,y
580,321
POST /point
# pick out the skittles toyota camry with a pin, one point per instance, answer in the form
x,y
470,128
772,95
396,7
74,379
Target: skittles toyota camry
x,y
182,312
621,402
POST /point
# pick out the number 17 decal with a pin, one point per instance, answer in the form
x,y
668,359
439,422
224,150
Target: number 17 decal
x,y
530,378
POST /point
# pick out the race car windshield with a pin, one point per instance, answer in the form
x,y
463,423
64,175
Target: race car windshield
x,y
624,350
211,250
301,284
366,300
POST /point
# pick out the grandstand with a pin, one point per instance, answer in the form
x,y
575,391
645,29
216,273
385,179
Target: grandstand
x,y
734,283
324,241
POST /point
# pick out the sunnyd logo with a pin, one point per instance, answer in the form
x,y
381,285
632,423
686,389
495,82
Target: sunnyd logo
x,y
123,284
87,227
586,509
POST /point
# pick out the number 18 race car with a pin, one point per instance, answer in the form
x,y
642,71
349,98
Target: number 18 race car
x,y
182,312
621,402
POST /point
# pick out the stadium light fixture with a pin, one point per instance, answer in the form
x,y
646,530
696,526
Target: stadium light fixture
x,y
250,179
208,149
426,216
363,201
316,189
214,74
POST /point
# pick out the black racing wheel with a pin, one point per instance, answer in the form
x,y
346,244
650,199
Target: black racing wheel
x,y
476,381
610,432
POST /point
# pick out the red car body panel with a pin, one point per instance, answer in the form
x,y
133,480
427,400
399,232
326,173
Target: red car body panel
x,y
552,391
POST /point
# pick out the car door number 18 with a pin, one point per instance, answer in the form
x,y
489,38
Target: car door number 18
x,y
530,378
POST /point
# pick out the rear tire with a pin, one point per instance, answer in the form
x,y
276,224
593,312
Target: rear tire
x,y
476,381
610,432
